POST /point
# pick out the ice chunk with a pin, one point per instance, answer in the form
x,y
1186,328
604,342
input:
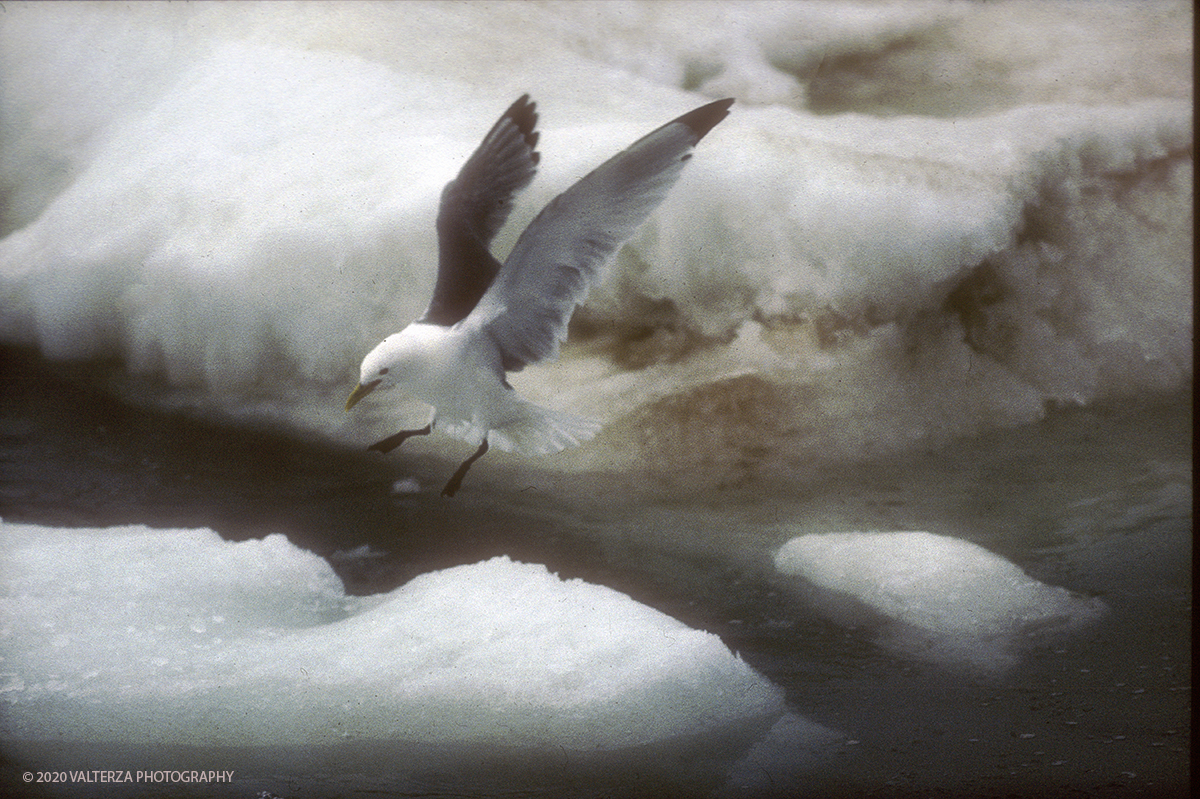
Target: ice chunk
x,y
777,764
176,636
944,597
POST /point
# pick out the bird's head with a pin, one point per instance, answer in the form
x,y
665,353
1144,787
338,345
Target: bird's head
x,y
402,359
380,370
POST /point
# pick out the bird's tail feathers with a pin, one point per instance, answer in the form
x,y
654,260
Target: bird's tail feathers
x,y
543,431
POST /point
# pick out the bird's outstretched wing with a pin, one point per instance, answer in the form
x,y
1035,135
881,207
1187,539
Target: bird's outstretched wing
x,y
474,206
559,255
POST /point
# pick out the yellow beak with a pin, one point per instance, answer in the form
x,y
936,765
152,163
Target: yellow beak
x,y
360,391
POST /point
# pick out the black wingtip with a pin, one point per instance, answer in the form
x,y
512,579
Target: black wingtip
x,y
703,119
523,114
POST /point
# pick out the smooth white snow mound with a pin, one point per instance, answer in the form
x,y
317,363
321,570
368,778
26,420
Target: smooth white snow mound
x,y
138,635
951,598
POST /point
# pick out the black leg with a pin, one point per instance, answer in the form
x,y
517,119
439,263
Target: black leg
x,y
391,442
456,481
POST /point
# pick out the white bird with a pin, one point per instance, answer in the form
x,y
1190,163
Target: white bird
x,y
486,319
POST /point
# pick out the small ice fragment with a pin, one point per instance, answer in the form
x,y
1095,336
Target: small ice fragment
x,y
406,486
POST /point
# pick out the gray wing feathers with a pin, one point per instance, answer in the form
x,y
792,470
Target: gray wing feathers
x,y
560,254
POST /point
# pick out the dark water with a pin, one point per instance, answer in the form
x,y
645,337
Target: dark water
x,y
1096,500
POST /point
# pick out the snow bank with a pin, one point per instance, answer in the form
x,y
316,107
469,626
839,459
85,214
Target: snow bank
x,y
921,220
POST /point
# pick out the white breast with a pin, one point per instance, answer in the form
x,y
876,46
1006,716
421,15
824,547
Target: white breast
x,y
454,371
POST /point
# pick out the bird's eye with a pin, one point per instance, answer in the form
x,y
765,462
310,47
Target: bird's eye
x,y
383,371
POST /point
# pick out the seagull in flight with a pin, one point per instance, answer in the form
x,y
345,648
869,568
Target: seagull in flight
x,y
486,318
